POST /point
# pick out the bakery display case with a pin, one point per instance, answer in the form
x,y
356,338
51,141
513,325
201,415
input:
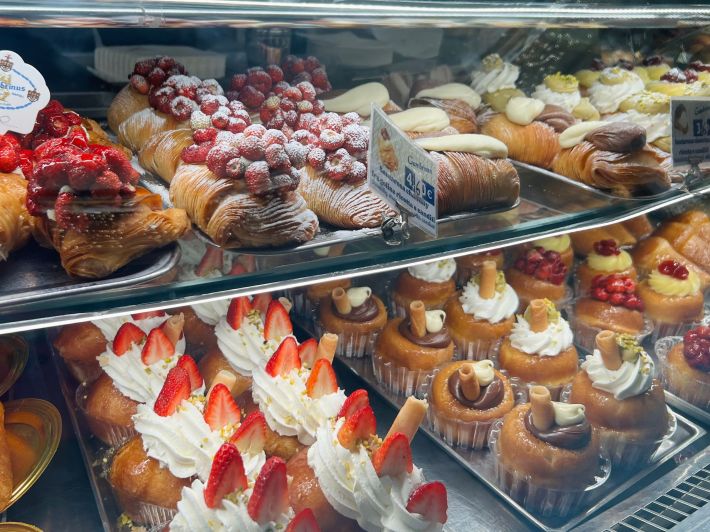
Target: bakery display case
x,y
215,316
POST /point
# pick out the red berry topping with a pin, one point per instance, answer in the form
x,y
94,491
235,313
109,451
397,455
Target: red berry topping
x,y
696,348
606,248
617,289
673,269
543,265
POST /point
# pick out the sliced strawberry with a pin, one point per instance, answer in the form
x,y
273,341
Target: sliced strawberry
x,y
221,409
429,500
305,521
175,389
250,437
173,326
212,260
277,324
238,310
269,500
146,315
284,359
307,352
261,303
394,456
126,336
354,402
237,269
226,476
322,380
157,347
188,363
357,428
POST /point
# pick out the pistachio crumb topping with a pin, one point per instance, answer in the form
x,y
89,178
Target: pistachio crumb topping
x,y
553,315
491,62
630,348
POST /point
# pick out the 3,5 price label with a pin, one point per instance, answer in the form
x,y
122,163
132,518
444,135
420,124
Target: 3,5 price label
x,y
701,127
690,130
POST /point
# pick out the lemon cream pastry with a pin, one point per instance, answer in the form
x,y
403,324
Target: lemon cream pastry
x,y
563,91
651,111
652,68
672,298
360,99
457,100
623,400
495,81
431,282
614,86
483,314
561,244
606,258
539,349
677,82
423,122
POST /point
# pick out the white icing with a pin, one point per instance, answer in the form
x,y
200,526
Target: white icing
x,y
607,98
245,348
630,380
421,119
434,320
212,311
656,125
567,100
522,111
484,372
501,306
438,271
567,414
495,80
359,99
548,343
481,145
110,326
358,296
452,91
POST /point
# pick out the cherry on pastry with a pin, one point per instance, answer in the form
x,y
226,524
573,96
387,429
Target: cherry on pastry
x,y
696,348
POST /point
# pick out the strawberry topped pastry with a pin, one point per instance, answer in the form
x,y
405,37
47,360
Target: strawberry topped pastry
x,y
539,274
310,69
612,303
255,85
15,225
606,258
231,499
334,183
290,108
350,477
298,392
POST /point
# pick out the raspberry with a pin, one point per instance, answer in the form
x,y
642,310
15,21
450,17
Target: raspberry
x,y
251,97
242,114
304,137
220,120
252,148
219,156
280,87
227,137
238,82
73,118
271,103
309,122
9,159
63,211
350,118
293,94
633,302
256,177
311,63
236,125
304,106
287,105
320,79
696,348
196,154
181,108
166,62
258,78
255,130
338,164
355,139
275,73
331,139
297,153
199,120
277,158
600,294
204,135
616,286
331,121
293,65
57,126
265,115
107,184
236,167
139,83
316,158
300,77
235,105
318,107
160,98
209,105
144,67
273,136
291,118
212,86
119,163
358,172
617,299
156,77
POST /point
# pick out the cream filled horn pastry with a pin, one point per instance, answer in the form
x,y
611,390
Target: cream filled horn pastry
x,y
457,100
360,99
423,122
350,477
473,172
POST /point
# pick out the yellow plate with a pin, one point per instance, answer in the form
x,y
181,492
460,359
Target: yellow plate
x,y
39,421
13,358
18,527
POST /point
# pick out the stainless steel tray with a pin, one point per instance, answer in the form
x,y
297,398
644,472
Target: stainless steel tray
x,y
479,464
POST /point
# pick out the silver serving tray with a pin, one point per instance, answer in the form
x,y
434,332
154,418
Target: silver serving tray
x,y
480,464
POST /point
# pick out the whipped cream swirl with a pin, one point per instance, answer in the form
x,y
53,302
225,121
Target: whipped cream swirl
x,y
607,98
567,100
212,311
351,485
548,343
110,326
245,348
500,307
656,125
503,77
630,380
288,409
438,271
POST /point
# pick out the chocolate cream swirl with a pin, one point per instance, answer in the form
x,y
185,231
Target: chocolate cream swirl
x,y
435,340
572,437
490,396
556,117
365,312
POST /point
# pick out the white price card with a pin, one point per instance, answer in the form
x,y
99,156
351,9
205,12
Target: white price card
x,y
23,93
690,130
402,173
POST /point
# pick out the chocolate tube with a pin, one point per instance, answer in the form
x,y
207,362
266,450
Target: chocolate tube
x,y
606,343
342,303
469,382
543,414
417,318
487,289
409,418
326,347
538,315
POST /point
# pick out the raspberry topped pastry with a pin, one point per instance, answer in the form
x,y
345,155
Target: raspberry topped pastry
x,y
539,274
15,227
431,282
351,478
606,258
561,244
297,69
685,365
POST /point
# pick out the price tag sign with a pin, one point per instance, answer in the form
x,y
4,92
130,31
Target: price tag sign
x,y
402,173
690,130
23,93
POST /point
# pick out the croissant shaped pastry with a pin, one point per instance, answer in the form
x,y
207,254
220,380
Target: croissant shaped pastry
x,y
535,143
457,100
15,221
467,178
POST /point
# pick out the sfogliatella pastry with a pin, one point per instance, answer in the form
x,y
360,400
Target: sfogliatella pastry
x,y
539,349
360,99
431,282
350,478
623,400
357,316
409,349
605,259
651,111
465,399
685,365
563,91
650,252
470,265
456,99
521,127
483,314
495,82
612,157
547,455
473,173
672,299
614,86
539,274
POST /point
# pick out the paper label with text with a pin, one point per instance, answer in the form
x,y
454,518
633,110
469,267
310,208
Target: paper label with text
x,y
23,93
690,131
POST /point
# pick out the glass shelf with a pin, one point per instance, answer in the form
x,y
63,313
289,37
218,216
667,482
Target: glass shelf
x,y
321,14
547,207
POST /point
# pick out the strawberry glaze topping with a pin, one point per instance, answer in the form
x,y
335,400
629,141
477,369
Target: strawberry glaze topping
x,y
696,348
12,155
616,289
673,269
53,122
543,265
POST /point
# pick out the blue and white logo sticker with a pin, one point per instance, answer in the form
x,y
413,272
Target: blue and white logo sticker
x,y
23,93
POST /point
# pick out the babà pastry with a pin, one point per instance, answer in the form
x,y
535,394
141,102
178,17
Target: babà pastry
x,y
583,241
650,252
672,299
563,91
612,157
685,365
431,282
623,400
473,173
614,86
408,349
539,274
456,99
360,99
306,300
466,398
561,244
352,480
547,455
469,265
521,127
483,314
495,82
651,111
539,349
606,258
357,316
